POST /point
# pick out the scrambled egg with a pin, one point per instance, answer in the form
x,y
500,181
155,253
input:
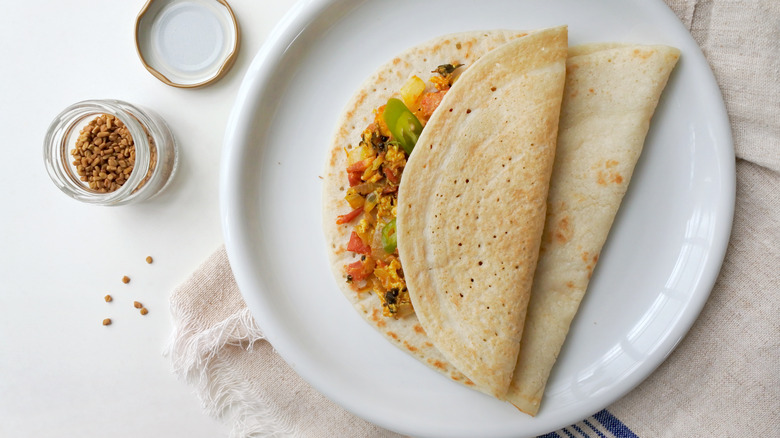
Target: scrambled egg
x,y
374,170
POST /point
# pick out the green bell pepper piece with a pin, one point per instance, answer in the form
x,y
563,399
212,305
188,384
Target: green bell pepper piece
x,y
389,237
403,124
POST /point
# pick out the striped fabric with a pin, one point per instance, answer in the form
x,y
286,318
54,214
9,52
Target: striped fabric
x,y
601,425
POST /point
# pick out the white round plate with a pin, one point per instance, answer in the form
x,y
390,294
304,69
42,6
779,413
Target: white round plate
x,y
655,273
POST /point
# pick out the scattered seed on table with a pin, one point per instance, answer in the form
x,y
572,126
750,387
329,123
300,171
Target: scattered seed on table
x,y
144,311
149,259
107,321
137,305
125,279
108,298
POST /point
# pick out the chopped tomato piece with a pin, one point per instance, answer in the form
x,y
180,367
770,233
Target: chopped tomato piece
x,y
430,101
356,169
389,189
344,218
354,178
391,176
360,166
356,245
356,271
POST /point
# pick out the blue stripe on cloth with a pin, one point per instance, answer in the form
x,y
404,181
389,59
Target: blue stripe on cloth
x,y
613,425
578,429
604,419
601,435
568,434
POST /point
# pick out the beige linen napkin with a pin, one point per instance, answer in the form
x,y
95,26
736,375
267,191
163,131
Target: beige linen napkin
x,y
723,380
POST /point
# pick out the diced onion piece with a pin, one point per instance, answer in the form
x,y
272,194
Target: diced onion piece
x,y
366,188
354,198
371,200
412,90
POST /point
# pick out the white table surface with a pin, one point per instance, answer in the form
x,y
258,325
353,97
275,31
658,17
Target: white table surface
x,y
62,373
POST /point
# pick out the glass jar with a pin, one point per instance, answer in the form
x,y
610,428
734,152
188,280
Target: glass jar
x,y
108,162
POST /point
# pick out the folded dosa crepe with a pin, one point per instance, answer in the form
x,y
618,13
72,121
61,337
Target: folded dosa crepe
x,y
472,201
611,94
405,331
462,48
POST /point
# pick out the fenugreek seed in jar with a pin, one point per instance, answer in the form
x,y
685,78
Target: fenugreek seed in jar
x,y
104,153
110,152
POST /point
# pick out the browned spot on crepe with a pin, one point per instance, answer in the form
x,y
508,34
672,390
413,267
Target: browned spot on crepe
x,y
644,54
564,231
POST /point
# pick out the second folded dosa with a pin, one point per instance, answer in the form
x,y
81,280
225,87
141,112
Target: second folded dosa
x,y
611,94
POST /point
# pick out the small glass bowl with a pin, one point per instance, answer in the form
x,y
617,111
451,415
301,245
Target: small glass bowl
x,y
155,152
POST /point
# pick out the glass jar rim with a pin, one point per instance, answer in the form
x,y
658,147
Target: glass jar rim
x,y
56,149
